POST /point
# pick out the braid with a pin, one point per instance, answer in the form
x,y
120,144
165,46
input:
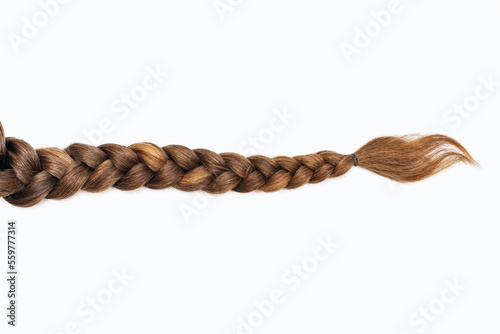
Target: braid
x,y
27,176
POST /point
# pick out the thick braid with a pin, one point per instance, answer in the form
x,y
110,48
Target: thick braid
x,y
32,175
28,176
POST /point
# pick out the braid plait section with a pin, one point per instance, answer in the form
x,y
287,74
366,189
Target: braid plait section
x,y
28,176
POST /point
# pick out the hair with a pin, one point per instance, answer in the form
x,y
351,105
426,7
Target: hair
x,y
27,176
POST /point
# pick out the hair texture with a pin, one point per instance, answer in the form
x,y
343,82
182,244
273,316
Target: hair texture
x,y
27,176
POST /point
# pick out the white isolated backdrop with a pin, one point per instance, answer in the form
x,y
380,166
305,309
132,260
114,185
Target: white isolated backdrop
x,y
409,258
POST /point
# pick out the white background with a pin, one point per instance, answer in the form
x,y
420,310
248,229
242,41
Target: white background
x,y
228,73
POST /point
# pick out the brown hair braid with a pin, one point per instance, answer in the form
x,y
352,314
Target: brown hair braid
x,y
27,176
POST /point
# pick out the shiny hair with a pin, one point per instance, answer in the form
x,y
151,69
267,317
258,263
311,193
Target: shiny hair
x,y
27,176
